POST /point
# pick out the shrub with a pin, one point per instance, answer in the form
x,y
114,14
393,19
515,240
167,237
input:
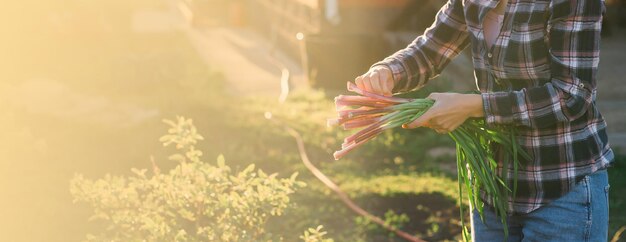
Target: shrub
x,y
315,235
194,201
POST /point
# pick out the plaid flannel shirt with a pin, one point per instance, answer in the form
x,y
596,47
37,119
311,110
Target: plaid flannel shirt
x,y
539,75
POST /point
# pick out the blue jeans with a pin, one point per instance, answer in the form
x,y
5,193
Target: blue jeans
x,y
580,215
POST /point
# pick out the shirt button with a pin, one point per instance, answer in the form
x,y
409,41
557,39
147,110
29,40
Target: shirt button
x,y
581,85
489,55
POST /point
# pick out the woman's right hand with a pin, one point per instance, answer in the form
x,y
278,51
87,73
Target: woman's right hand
x,y
378,79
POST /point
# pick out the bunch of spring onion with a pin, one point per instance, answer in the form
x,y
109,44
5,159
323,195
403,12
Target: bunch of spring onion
x,y
478,170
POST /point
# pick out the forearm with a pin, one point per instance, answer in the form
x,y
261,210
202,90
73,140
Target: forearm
x,y
429,53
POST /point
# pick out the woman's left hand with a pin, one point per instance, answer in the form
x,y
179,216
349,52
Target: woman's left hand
x,y
449,111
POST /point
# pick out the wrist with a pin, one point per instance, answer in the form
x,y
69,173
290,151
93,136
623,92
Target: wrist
x,y
475,105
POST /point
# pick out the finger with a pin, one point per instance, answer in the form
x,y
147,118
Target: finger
x,y
435,128
376,85
373,82
386,90
359,82
449,127
438,129
445,128
450,122
453,127
386,84
367,84
443,122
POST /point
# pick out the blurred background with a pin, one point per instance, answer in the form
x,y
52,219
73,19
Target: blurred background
x,y
85,86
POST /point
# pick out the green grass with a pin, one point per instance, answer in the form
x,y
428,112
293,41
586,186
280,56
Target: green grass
x,y
617,195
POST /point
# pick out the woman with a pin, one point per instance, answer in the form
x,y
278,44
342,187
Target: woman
x,y
535,64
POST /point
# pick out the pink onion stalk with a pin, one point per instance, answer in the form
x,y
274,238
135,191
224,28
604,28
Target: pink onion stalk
x,y
348,100
359,123
374,114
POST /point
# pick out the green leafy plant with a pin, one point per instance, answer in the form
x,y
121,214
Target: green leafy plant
x,y
391,218
315,235
194,201
395,220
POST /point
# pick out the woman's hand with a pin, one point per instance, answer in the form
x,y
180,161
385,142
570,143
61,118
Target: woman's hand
x,y
377,80
449,111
